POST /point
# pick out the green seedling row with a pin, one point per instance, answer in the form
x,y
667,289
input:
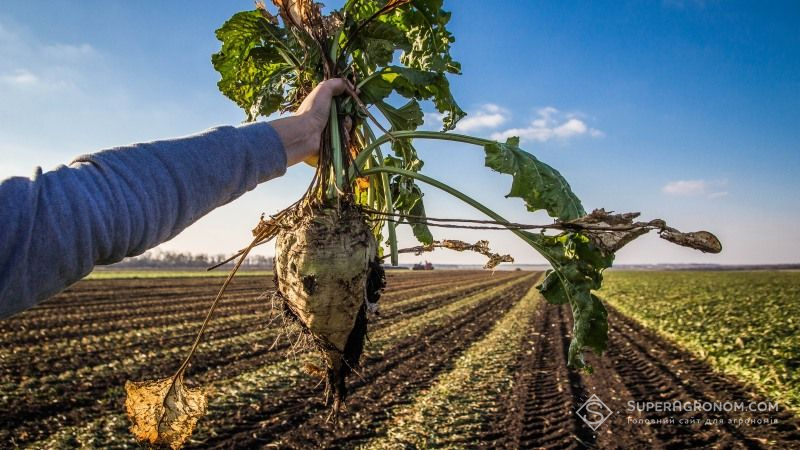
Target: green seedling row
x,y
746,324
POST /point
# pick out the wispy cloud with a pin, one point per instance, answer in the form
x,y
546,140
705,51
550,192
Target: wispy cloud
x,y
695,188
718,194
684,4
19,77
551,124
68,52
29,65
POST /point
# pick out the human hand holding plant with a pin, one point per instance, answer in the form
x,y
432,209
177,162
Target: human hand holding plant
x,y
301,132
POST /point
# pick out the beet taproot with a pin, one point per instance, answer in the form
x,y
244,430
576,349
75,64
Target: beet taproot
x,y
324,265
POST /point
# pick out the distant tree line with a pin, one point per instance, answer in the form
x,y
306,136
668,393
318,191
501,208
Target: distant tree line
x,y
160,258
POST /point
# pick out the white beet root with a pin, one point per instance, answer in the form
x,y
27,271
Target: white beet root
x,y
321,268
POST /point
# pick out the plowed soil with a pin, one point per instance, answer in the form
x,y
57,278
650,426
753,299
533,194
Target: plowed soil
x,y
639,366
63,364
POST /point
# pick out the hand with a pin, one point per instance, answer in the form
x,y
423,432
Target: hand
x,y
301,133
316,108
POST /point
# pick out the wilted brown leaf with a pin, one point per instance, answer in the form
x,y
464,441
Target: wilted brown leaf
x,y
481,247
698,240
303,15
601,216
611,241
495,259
163,412
610,232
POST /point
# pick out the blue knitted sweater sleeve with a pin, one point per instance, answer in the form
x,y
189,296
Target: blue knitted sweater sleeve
x,y
56,226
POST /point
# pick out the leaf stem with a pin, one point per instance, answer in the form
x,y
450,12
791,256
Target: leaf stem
x,y
387,193
466,199
336,148
335,46
453,137
525,236
435,135
282,48
214,304
436,183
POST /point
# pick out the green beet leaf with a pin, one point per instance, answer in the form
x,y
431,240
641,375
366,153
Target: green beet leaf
x,y
375,45
406,118
541,186
425,25
419,227
414,84
254,71
579,268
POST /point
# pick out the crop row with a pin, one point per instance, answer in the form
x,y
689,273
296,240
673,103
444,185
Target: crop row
x,y
230,384
242,335
455,411
232,318
400,361
100,305
746,324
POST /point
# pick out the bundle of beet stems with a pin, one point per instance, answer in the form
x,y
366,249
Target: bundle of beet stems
x,y
329,244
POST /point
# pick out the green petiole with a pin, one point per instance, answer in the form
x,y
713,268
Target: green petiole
x,y
527,237
435,135
388,198
336,148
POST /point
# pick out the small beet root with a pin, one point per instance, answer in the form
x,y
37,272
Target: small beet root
x,y
325,272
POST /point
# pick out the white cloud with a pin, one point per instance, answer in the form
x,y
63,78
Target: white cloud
x,y
596,133
550,124
572,127
19,77
685,187
433,120
694,188
488,116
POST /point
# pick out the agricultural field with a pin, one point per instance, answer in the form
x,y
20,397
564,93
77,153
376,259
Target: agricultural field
x,y
744,323
168,273
456,359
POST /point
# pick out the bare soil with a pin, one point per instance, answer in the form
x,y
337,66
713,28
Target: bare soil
x,y
639,366
98,324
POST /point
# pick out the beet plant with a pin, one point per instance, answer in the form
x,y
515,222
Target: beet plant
x,y
330,243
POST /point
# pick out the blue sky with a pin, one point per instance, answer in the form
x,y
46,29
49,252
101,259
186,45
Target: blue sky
x,y
684,110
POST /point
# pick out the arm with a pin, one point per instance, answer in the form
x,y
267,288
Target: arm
x,y
120,202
